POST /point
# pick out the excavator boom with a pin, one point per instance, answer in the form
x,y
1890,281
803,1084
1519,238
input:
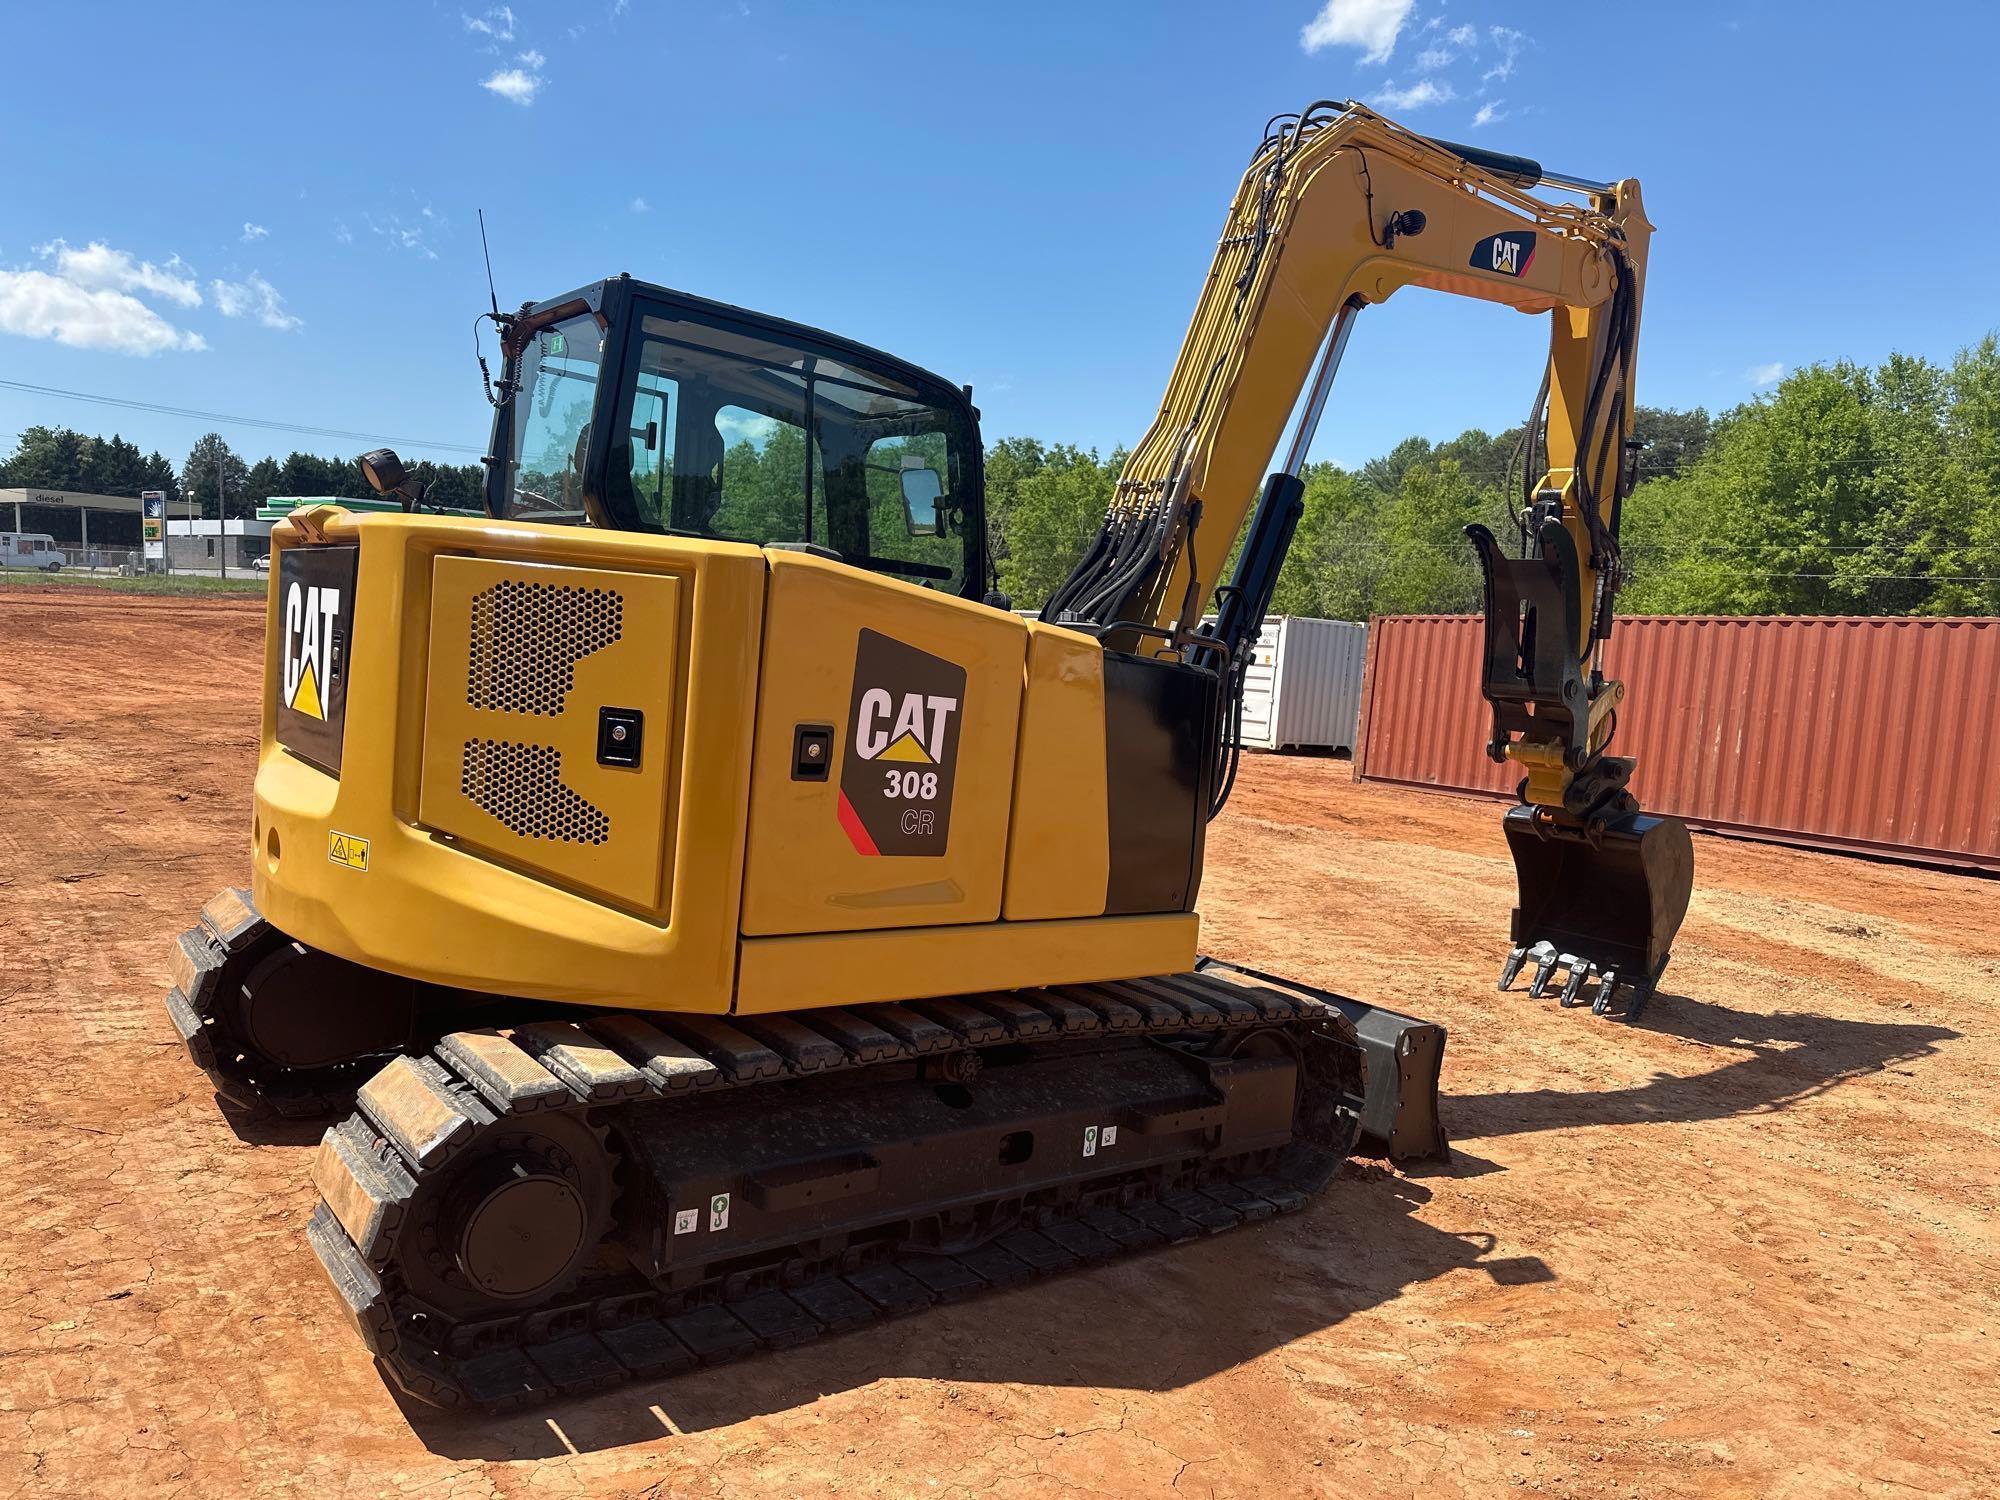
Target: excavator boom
x,y
1341,209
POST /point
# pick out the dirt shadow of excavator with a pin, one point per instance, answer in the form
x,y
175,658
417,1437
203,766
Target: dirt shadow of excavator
x,y
1154,1321
1779,1060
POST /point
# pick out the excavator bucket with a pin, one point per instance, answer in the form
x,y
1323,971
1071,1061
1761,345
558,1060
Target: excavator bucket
x,y
1604,902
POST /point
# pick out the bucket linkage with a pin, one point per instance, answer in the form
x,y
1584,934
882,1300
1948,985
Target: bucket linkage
x,y
1602,886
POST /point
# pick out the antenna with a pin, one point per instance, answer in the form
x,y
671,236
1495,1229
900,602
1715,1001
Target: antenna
x,y
490,292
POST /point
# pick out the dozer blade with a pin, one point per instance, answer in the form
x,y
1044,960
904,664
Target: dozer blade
x,y
1606,900
1405,1056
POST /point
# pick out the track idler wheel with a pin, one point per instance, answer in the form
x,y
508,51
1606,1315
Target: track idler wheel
x,y
513,1222
277,1025
1602,899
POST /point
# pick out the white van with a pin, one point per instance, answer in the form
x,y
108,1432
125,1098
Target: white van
x,y
30,549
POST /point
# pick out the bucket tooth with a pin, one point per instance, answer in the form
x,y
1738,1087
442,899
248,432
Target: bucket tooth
x,y
1546,959
1641,993
1607,986
1579,972
1512,968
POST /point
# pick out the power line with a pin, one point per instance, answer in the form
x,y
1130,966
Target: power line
x,y
298,428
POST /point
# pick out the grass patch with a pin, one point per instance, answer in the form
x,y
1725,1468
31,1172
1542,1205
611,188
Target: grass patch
x,y
171,583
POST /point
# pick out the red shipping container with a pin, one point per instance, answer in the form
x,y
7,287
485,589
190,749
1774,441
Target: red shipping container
x,y
1877,735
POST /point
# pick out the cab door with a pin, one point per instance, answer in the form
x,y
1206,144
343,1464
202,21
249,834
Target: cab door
x,y
887,720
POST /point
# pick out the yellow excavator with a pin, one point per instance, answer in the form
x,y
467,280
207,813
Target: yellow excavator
x,y
728,922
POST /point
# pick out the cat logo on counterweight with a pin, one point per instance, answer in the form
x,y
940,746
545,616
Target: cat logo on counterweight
x,y
311,617
902,748
315,587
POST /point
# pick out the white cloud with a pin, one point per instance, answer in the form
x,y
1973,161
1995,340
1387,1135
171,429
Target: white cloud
x,y
1424,91
254,297
497,23
254,232
1766,374
1456,43
343,234
37,305
401,236
1490,113
641,206
1509,42
514,85
1371,25
520,83
98,267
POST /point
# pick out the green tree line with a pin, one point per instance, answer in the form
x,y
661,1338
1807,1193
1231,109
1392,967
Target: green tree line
x,y
1846,490
56,458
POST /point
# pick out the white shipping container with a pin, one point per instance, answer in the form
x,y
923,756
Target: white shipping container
x,y
1302,689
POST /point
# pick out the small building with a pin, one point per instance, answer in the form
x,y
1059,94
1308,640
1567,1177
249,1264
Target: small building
x,y
74,518
192,546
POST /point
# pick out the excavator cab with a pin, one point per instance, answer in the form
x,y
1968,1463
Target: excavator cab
x,y
632,407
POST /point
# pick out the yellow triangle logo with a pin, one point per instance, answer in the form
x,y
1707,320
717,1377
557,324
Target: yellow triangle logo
x,y
906,748
306,699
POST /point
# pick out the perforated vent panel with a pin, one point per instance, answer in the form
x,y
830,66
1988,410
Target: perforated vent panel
x,y
522,786
525,658
527,639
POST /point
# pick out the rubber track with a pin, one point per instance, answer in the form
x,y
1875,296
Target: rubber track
x,y
433,1108
218,951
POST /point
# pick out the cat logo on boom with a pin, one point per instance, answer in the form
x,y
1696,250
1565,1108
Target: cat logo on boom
x,y
1508,254
902,748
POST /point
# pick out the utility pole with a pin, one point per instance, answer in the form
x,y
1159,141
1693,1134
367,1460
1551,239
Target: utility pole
x,y
221,547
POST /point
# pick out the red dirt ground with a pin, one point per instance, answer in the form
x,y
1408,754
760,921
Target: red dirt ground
x,y
1747,1248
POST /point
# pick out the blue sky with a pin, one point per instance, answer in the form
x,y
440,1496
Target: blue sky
x,y
269,210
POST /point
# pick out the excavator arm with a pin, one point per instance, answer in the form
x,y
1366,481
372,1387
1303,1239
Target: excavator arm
x,y
1341,209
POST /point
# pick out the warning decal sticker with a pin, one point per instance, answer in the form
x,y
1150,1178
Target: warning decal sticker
x,y
902,748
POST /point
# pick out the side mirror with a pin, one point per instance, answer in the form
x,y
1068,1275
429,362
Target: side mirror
x,y
922,489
